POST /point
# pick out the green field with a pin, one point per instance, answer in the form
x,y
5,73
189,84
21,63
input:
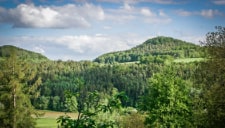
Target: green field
x,y
188,60
46,123
48,120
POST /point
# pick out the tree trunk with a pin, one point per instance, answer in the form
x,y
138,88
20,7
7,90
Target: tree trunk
x,y
14,101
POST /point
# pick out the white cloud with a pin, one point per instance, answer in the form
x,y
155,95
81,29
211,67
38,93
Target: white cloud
x,y
210,13
138,1
219,2
119,1
193,39
147,12
3,15
207,13
182,12
39,49
76,16
122,14
127,7
107,27
98,43
161,1
66,16
155,18
129,12
161,13
74,47
158,20
189,36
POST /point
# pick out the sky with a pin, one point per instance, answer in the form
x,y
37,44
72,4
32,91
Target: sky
x,y
85,29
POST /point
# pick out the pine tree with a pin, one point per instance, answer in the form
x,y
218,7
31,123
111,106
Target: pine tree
x,y
15,106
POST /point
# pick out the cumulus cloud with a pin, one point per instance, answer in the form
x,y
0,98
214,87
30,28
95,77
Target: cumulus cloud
x,y
219,2
182,12
207,13
98,43
129,12
76,15
163,1
138,1
70,15
124,13
39,49
147,12
74,47
210,13
155,17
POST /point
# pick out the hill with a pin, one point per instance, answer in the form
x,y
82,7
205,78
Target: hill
x,y
160,47
131,78
22,54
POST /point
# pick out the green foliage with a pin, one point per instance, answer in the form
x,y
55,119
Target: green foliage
x,y
17,86
210,110
132,120
42,102
28,56
89,109
125,71
167,101
59,76
71,102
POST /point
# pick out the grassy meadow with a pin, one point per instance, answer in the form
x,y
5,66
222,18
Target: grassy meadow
x,y
188,60
46,123
48,120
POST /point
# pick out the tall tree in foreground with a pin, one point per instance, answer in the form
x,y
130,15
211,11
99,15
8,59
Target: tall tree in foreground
x,y
15,106
212,81
167,101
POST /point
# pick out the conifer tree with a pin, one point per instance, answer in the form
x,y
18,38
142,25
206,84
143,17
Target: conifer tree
x,y
15,106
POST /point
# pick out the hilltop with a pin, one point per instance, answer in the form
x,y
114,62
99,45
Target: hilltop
x,y
22,54
161,47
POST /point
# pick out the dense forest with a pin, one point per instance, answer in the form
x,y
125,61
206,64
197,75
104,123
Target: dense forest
x,y
157,49
163,82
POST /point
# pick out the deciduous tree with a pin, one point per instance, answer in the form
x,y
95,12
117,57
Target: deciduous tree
x,y
167,101
211,81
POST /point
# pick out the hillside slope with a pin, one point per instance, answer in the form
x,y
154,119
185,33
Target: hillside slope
x,y
159,46
22,54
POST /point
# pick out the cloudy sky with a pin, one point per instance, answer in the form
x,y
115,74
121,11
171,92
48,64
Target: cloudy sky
x,y
85,29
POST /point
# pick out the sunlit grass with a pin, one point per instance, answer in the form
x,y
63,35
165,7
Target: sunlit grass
x,y
188,60
49,119
46,123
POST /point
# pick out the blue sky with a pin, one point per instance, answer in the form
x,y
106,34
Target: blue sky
x,y
85,29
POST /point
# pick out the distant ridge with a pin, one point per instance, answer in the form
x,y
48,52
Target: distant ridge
x,y
22,54
158,46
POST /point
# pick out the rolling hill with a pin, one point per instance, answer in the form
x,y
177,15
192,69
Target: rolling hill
x,y
22,54
161,47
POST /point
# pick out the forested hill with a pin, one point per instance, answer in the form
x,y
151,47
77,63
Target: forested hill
x,y
22,54
160,47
